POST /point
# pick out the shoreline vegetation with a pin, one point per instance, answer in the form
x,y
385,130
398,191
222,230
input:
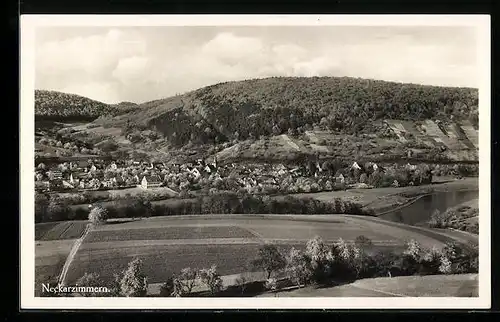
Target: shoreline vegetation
x,y
463,217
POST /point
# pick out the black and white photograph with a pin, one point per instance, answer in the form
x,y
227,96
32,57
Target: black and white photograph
x,y
255,161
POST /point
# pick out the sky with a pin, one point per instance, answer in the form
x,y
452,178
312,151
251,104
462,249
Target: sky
x,y
140,64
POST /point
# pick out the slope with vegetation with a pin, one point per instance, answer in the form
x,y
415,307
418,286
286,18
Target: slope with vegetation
x,y
277,105
53,105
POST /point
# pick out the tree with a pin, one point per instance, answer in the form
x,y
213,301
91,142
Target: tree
x,y
211,278
91,280
410,261
298,267
430,262
346,260
270,259
185,281
134,282
363,178
98,215
320,257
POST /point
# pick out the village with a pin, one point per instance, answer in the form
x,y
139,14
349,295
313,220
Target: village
x,y
98,174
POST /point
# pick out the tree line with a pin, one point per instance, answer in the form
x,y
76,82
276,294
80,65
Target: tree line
x,y
319,263
48,209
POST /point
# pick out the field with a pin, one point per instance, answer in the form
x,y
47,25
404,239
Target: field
x,y
465,285
59,230
49,260
168,244
160,191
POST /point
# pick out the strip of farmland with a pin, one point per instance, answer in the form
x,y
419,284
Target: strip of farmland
x,y
63,230
168,233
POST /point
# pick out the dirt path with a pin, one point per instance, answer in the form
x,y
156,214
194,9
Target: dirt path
x,y
72,254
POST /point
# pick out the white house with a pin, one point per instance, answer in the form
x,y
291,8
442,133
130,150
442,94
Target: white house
x,y
355,165
195,172
150,182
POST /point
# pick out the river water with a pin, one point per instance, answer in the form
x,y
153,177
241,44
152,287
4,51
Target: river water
x,y
419,212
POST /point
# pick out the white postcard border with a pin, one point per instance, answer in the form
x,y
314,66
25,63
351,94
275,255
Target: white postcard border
x,y
27,244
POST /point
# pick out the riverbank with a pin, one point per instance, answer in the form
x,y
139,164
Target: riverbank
x,y
462,217
383,200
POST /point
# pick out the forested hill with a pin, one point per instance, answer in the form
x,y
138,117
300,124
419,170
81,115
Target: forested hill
x,y
251,108
53,105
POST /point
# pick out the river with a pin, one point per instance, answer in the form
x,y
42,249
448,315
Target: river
x,y
420,211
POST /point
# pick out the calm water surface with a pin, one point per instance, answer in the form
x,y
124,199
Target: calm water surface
x,y
419,212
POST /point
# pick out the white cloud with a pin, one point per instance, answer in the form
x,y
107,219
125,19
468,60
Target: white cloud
x,y
141,65
131,68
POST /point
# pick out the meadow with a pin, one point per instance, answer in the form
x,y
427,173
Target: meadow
x,y
168,244
460,285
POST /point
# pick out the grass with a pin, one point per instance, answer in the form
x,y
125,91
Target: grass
x,y
49,260
42,228
433,285
160,262
205,241
463,285
168,233
63,230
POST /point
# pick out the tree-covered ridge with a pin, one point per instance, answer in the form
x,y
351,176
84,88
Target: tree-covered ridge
x,y
251,108
58,106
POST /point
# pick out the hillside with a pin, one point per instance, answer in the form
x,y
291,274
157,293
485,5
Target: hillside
x,y
125,107
53,105
279,105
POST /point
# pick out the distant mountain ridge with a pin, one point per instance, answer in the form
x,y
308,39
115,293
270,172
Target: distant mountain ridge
x,y
54,105
277,105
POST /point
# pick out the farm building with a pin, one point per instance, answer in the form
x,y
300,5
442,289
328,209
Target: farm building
x,y
150,182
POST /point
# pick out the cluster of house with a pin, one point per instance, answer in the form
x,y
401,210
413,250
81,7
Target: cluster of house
x,y
100,174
